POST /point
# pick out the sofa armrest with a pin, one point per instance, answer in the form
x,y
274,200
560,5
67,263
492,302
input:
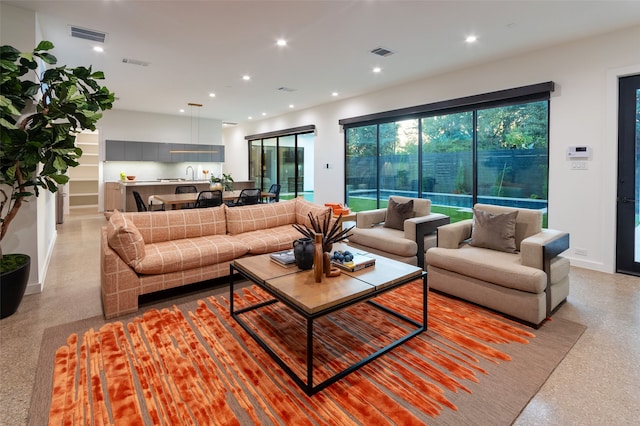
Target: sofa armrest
x,y
450,236
416,228
548,243
368,218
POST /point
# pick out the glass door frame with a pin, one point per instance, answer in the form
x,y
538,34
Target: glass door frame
x,y
628,196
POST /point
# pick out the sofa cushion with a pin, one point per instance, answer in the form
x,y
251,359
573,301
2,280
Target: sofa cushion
x,y
159,226
397,213
269,240
500,268
304,207
494,231
260,216
125,239
188,253
392,240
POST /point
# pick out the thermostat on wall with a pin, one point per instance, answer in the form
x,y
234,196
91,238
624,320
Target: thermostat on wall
x,y
578,151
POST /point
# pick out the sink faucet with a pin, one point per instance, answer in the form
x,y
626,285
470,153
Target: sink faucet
x,y
193,173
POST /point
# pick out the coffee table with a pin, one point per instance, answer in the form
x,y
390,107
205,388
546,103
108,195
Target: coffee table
x,y
298,290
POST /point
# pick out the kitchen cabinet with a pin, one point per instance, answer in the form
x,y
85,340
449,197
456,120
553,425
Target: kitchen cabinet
x,y
115,151
112,196
163,152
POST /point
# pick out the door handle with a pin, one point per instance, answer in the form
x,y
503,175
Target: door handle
x,y
628,200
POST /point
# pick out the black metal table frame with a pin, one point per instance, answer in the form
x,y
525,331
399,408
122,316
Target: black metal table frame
x,y
308,387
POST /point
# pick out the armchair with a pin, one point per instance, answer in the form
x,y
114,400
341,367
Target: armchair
x,y
406,242
525,279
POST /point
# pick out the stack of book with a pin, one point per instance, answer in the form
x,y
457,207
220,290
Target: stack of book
x,y
358,262
284,258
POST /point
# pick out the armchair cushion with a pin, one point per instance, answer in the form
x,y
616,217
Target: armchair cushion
x,y
397,213
494,231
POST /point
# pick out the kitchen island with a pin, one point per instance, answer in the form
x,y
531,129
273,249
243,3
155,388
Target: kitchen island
x,y
119,195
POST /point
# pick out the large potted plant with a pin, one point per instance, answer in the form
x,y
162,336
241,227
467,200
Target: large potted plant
x,y
40,113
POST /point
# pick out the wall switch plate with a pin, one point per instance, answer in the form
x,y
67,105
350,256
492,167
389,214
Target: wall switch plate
x,y
578,165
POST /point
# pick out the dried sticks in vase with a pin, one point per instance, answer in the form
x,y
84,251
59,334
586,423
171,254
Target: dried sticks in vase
x,y
332,233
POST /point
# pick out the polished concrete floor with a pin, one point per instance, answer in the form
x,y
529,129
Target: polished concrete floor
x,y
598,383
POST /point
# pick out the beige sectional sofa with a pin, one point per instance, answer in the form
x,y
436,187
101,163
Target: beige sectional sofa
x,y
143,253
527,284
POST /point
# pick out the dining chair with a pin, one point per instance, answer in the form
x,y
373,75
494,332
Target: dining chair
x,y
275,189
139,203
209,199
247,197
187,189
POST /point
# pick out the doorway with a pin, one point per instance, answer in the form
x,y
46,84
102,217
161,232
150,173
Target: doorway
x,y
628,196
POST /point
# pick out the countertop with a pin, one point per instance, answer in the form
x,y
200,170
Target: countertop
x,y
161,182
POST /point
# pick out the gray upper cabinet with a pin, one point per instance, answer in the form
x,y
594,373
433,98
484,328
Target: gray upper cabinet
x,y
115,150
164,152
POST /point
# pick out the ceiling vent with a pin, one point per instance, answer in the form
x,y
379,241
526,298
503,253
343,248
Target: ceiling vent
x,y
286,89
381,51
135,62
87,34
229,123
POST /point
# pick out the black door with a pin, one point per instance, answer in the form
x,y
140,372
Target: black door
x,y
628,212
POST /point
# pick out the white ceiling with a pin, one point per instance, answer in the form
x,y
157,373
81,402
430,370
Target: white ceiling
x,y
198,47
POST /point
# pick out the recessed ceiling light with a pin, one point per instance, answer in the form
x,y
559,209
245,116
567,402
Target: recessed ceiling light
x,y
471,39
246,77
264,113
334,94
250,118
181,110
98,49
212,95
291,106
377,70
281,42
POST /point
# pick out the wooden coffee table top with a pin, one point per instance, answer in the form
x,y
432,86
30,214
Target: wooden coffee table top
x,y
299,287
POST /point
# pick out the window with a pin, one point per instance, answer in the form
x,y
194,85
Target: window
x,y
286,158
490,148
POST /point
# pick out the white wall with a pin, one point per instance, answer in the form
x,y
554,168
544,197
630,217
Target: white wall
x,y
581,202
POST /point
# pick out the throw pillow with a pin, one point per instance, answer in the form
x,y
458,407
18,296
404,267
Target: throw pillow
x,y
494,231
397,213
125,239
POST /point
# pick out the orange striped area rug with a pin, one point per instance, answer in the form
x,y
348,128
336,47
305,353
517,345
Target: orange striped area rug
x,y
199,367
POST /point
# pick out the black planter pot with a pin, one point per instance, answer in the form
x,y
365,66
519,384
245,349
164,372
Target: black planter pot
x,y
13,284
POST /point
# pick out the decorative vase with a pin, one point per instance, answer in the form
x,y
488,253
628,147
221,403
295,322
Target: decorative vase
x,y
216,186
13,284
318,259
303,252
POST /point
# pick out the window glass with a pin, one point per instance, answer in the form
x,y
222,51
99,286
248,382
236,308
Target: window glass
x,y
398,160
361,168
512,155
447,164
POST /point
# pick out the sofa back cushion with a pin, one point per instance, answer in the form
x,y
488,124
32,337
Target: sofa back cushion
x,y
304,207
528,222
159,226
260,216
421,206
125,239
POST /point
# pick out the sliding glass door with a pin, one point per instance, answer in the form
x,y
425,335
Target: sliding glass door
x,y
628,224
286,160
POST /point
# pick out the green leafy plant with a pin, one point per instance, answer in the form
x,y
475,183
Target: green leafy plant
x,y
226,180
40,113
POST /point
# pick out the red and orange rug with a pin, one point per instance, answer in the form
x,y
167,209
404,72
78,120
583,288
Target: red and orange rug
x,y
196,365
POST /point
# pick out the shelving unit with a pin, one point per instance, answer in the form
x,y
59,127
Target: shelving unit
x,y
83,179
